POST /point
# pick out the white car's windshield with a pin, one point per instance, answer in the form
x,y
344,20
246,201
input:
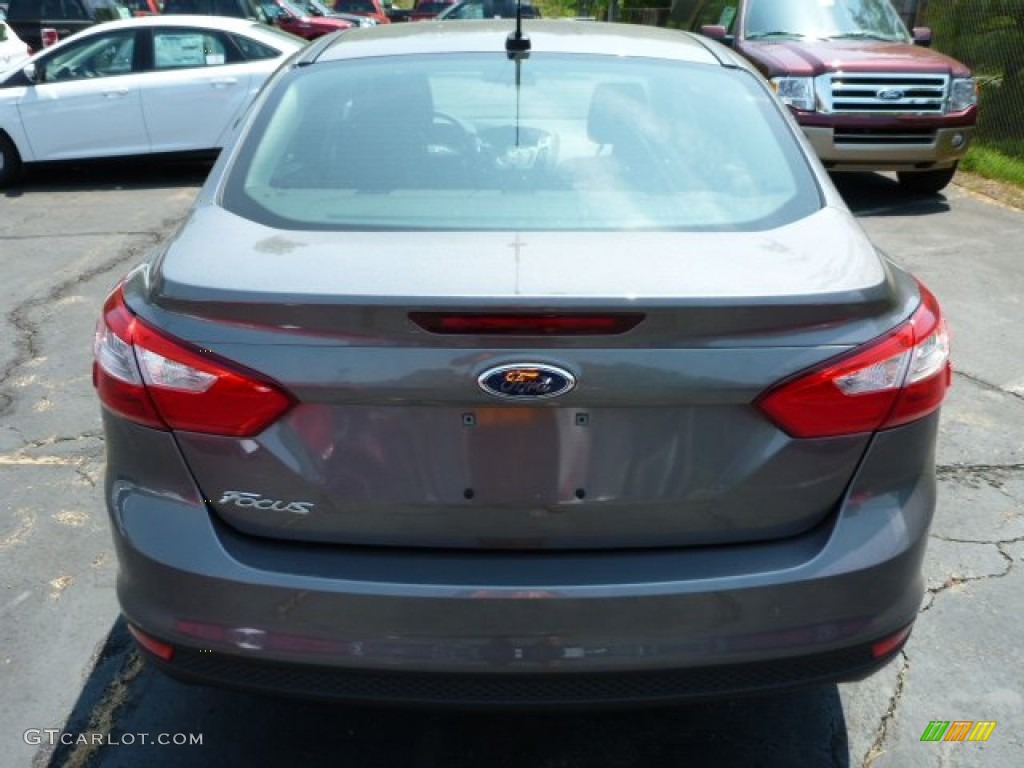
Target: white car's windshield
x,y
567,142
866,19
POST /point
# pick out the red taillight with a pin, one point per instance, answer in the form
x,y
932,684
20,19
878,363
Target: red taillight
x,y
889,645
890,381
158,648
49,36
520,324
155,380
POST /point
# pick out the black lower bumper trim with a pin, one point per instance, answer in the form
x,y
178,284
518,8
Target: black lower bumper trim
x,y
519,689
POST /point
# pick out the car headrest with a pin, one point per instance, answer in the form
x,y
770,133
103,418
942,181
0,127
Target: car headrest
x,y
615,111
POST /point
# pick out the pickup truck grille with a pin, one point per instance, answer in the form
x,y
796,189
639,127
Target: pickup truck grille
x,y
883,93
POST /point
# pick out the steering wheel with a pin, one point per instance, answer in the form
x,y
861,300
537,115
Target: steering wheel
x,y
76,72
451,135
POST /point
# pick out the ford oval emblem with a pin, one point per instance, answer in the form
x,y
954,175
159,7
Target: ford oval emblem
x,y
526,381
890,94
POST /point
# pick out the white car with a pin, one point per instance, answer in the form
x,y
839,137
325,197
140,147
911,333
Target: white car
x,y
13,49
147,85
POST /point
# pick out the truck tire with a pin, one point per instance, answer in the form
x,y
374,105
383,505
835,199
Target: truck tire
x,y
10,161
926,182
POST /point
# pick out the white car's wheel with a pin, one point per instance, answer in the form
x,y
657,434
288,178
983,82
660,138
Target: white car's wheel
x,y
10,161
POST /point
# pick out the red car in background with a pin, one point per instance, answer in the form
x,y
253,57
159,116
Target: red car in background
x,y
144,7
425,10
291,18
371,8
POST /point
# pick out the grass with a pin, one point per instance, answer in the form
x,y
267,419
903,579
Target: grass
x,y
989,162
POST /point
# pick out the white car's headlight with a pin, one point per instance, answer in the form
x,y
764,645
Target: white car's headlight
x,y
963,93
797,92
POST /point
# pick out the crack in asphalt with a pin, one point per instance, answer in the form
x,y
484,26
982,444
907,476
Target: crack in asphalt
x,y
997,543
957,473
26,342
114,669
988,385
954,469
94,434
956,580
103,718
877,748
993,475
21,455
86,477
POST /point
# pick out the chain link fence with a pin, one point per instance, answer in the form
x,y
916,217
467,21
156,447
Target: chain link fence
x,y
987,36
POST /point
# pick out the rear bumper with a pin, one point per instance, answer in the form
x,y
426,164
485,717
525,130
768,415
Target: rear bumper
x,y
364,623
504,690
912,151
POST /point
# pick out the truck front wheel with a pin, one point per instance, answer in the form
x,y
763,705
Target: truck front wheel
x,y
926,182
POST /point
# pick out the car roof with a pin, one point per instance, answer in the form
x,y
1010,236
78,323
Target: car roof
x,y
226,23
248,27
547,35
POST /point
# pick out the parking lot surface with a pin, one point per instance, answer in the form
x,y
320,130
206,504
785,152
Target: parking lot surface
x,y
66,663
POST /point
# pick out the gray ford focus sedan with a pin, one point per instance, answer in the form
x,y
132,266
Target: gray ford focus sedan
x,y
519,368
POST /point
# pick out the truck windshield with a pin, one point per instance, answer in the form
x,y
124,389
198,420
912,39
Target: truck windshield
x,y
835,19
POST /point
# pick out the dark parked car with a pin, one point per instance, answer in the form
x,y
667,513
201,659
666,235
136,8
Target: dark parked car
x,y
242,9
490,9
488,369
42,23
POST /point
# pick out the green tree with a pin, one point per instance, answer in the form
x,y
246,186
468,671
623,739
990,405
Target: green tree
x,y
988,36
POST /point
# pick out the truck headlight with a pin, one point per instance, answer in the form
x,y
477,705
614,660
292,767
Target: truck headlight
x,y
797,92
963,93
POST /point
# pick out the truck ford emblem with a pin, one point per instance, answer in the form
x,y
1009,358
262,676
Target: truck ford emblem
x,y
526,381
890,94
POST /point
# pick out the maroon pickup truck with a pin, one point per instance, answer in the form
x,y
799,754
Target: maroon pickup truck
x,y
868,95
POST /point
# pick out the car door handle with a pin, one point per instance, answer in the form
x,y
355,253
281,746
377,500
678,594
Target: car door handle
x,y
116,93
224,82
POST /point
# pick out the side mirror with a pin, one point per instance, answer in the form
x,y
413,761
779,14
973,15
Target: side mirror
x,y
716,32
923,36
31,73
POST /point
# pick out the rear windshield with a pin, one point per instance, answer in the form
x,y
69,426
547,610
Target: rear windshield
x,y
556,142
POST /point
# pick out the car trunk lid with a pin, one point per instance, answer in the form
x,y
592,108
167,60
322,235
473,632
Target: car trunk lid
x,y
394,442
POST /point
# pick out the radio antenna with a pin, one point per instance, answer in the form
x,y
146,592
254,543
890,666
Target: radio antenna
x,y
517,45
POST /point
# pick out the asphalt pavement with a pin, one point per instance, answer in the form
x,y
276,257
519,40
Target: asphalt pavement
x,y
68,670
